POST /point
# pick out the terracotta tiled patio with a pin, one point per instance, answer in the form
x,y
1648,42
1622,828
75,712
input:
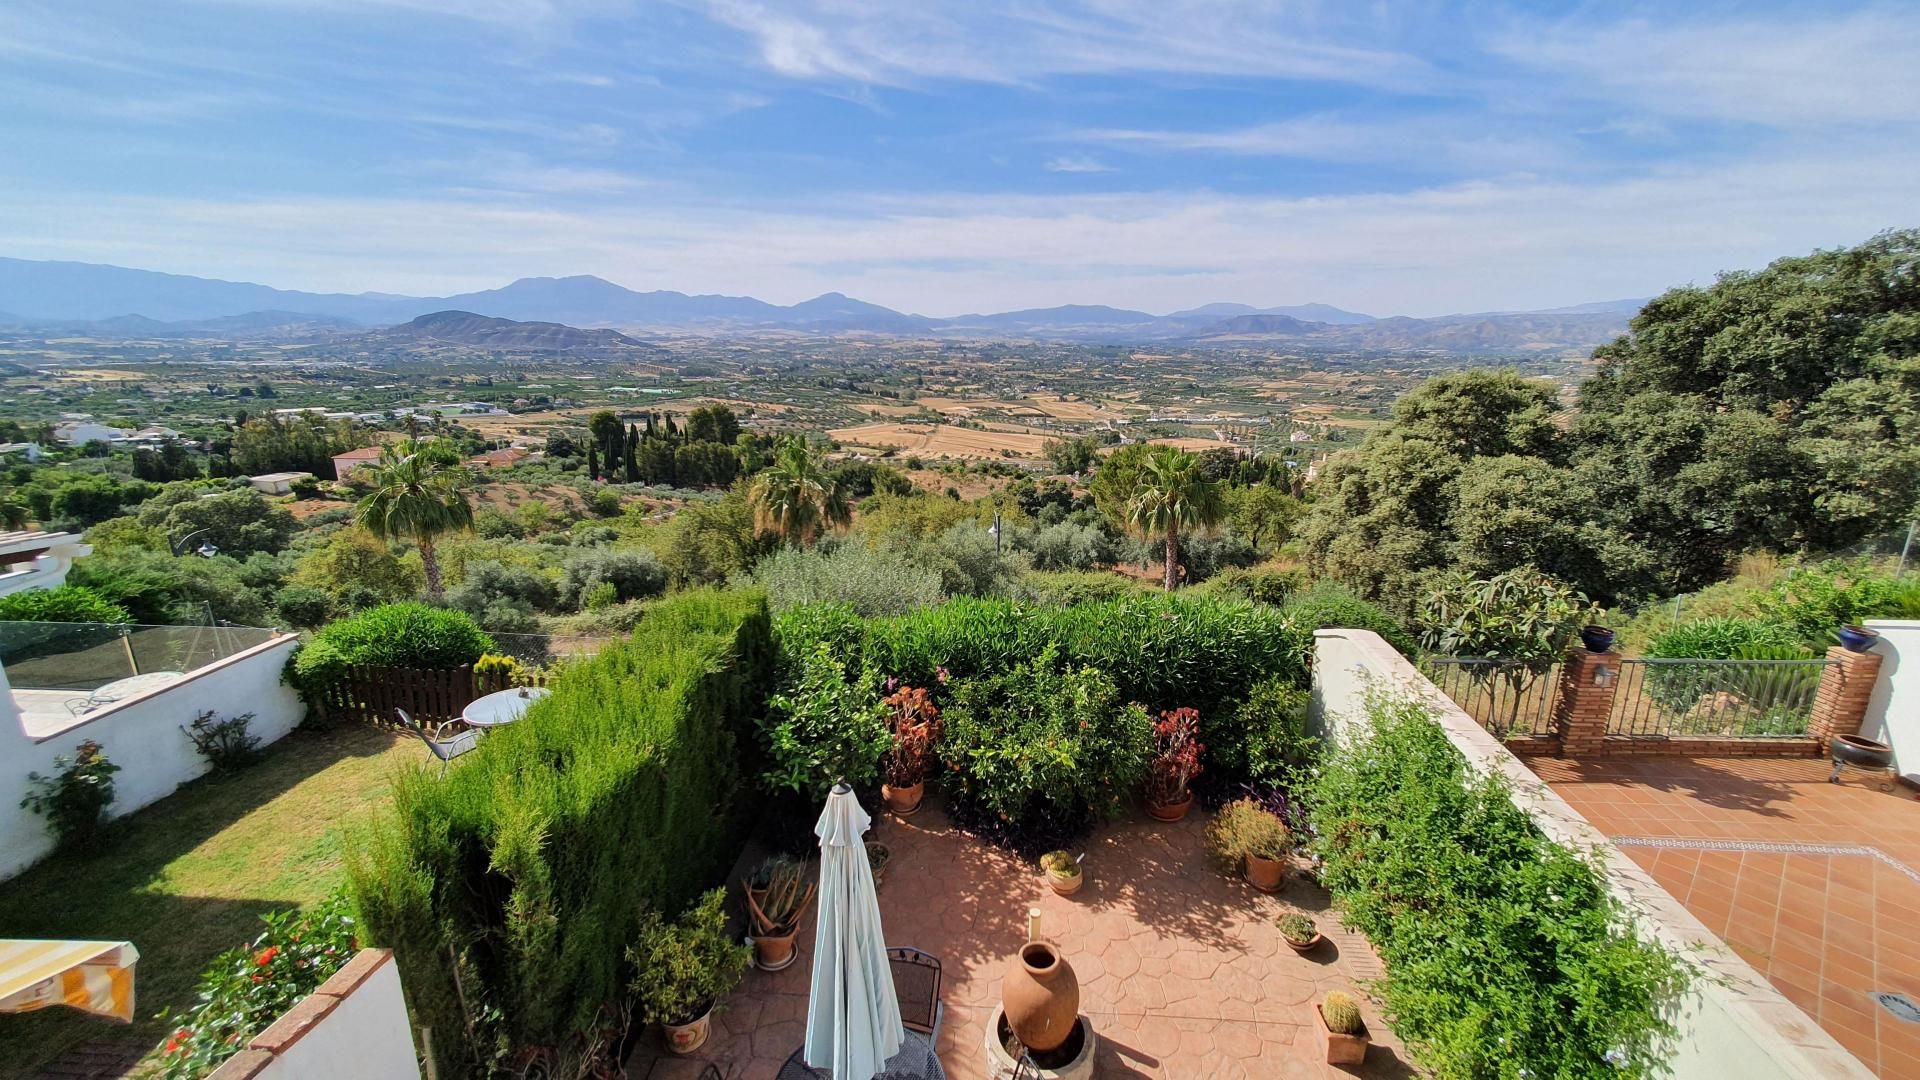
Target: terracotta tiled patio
x,y
1816,885
1181,970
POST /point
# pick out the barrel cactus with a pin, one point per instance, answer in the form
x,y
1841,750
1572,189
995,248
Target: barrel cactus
x,y
1341,1013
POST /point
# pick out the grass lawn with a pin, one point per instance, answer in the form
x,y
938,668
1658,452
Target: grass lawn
x,y
188,877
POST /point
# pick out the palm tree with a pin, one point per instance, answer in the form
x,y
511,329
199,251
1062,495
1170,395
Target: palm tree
x,y
795,496
1170,495
417,495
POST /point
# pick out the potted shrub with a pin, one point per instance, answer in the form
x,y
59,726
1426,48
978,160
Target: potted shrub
x,y
878,856
777,897
1249,839
1596,638
914,722
1176,761
1063,872
682,969
1856,638
1298,931
1346,1033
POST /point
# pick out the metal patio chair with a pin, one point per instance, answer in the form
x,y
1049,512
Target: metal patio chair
x,y
444,749
916,982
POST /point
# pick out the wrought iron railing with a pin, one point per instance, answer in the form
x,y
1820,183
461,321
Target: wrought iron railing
x,y
1721,698
1508,697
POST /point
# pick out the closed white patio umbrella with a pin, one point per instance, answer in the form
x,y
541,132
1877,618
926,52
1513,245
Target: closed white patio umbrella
x,y
853,1017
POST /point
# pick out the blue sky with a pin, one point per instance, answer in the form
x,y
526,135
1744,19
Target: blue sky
x,y
944,156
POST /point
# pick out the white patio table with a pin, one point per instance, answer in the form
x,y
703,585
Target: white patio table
x,y
502,707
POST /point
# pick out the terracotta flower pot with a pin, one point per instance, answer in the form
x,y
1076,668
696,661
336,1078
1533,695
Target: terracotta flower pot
x,y
688,1037
1265,874
1066,884
904,801
1041,996
1304,947
773,953
1170,811
1342,1049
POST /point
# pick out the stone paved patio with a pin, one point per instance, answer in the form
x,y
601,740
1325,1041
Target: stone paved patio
x,y
1816,885
1181,969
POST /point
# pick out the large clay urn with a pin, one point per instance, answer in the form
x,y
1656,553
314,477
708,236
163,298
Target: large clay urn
x,y
1041,997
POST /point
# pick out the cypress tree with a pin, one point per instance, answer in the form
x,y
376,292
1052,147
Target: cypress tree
x,y
593,467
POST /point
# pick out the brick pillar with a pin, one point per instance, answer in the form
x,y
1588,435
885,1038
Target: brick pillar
x,y
1587,682
1841,702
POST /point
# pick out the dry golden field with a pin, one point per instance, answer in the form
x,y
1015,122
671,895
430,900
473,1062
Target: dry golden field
x,y
942,440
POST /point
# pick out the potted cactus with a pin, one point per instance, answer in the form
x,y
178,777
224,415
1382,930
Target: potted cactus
x,y
1346,1032
1063,872
778,893
1298,932
1248,839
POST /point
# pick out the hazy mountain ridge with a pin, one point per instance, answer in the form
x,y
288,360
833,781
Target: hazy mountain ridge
x,y
101,300
489,332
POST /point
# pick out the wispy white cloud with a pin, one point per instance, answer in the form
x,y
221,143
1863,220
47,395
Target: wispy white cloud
x,y
1426,140
1016,41
1809,67
1077,163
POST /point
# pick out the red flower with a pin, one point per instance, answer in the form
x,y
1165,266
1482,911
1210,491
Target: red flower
x,y
265,956
179,1039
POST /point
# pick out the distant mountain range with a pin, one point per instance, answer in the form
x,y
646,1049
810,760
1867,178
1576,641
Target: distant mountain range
x,y
111,301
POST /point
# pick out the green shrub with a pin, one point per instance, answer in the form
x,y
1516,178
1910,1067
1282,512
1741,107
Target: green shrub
x,y
1505,953
75,798
1164,652
1265,586
682,968
225,744
1244,828
246,989
1813,603
395,635
530,863
1680,687
64,603
635,575
1068,588
303,606
1043,741
1327,605
1264,740
828,728
871,582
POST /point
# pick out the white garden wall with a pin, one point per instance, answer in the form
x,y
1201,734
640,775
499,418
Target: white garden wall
x,y
1893,713
355,1026
143,736
1732,1022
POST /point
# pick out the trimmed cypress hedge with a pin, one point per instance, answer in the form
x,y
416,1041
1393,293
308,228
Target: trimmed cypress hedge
x,y
533,858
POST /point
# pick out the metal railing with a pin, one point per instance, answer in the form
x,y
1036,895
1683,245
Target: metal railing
x,y
1507,697
1738,699
88,656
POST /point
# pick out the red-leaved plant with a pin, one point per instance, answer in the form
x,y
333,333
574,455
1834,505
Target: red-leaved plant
x,y
1176,756
915,722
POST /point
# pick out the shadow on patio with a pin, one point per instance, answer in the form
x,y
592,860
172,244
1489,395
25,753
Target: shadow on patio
x,y
1181,969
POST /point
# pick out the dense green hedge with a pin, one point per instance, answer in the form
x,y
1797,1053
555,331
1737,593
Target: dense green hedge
x,y
1506,954
1161,651
64,603
409,635
534,857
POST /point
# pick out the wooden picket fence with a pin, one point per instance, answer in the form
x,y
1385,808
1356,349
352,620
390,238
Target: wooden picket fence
x,y
430,697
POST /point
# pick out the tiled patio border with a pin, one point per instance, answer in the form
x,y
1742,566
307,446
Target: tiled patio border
x,y
1779,846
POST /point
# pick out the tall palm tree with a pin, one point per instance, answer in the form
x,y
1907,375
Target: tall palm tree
x,y
1172,495
417,495
795,497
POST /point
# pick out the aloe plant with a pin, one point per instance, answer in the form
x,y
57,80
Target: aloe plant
x,y
784,888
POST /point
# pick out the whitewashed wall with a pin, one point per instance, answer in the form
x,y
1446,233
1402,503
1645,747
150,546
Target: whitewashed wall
x,y
1893,713
355,1025
141,735
1732,1022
